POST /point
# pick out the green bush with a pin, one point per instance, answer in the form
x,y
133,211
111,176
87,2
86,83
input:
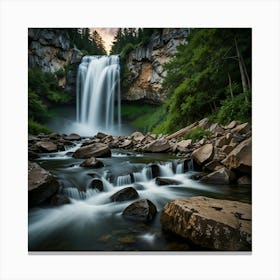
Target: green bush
x,y
36,128
36,109
235,109
127,48
197,134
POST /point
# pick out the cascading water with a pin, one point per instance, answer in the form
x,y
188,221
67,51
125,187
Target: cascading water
x,y
98,91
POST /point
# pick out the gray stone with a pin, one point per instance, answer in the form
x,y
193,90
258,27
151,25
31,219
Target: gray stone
x,y
92,163
221,176
128,193
93,150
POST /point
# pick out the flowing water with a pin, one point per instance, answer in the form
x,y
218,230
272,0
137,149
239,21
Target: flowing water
x,y
93,223
98,91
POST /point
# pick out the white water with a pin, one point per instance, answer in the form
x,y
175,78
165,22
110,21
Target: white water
x,y
98,91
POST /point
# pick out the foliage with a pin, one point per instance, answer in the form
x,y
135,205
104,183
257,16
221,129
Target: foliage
x,y
36,128
197,78
91,43
197,134
236,108
36,109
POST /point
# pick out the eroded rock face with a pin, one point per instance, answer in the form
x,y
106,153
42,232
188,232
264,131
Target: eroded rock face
x,y
210,223
146,65
141,210
93,150
41,184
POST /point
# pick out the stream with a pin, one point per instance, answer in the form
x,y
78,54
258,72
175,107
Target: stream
x,y
91,222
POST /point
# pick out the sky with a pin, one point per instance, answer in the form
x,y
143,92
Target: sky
x,y
107,35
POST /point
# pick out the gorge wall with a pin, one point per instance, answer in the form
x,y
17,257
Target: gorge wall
x,y
51,50
145,65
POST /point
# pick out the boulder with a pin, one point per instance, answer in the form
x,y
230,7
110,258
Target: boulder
x,y
138,187
183,145
215,128
220,142
166,181
92,163
141,210
210,223
147,139
231,125
157,146
93,150
242,128
227,149
126,143
212,165
128,193
155,170
203,154
73,137
137,136
240,158
60,199
41,184
100,135
244,180
96,184
46,146
204,123
222,176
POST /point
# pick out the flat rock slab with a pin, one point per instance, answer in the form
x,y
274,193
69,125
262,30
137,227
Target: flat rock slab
x,y
210,223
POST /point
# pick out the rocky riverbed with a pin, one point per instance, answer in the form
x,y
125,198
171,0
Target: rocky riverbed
x,y
164,181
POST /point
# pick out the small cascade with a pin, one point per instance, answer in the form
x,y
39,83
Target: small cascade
x,y
123,180
98,91
144,176
190,165
166,170
180,168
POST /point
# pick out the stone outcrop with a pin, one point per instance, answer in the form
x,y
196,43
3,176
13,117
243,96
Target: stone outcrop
x,y
93,150
41,184
210,223
146,65
50,50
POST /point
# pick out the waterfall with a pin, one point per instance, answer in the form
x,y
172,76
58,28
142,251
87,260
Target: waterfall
x,y
98,91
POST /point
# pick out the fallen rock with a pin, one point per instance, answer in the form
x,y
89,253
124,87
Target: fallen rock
x,y
46,146
183,145
213,166
126,143
92,163
157,146
41,184
227,149
137,136
93,150
244,180
203,154
240,158
60,199
242,128
128,193
73,137
221,176
231,125
215,128
100,135
141,210
96,184
166,181
210,223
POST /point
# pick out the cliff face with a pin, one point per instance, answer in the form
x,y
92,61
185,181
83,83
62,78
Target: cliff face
x,y
50,50
146,65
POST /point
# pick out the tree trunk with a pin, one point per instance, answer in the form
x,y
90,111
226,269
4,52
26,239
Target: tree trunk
x,y
242,71
230,87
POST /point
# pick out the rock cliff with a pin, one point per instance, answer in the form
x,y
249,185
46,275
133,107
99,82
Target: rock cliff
x,y
50,49
146,65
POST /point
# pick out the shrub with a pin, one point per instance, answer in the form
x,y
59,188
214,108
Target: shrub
x,y
36,128
197,134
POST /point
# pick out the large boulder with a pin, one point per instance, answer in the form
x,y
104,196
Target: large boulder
x,y
96,184
92,163
46,146
137,136
183,145
203,154
93,150
141,210
60,199
240,157
242,128
73,137
125,194
166,181
157,146
221,176
210,223
41,184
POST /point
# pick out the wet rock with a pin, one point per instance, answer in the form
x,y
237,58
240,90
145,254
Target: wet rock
x,y
157,146
212,166
240,158
46,146
41,184
96,184
128,193
210,223
92,163
93,150
203,154
166,181
155,170
138,187
73,137
32,155
221,176
141,210
198,176
100,135
59,199
244,180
